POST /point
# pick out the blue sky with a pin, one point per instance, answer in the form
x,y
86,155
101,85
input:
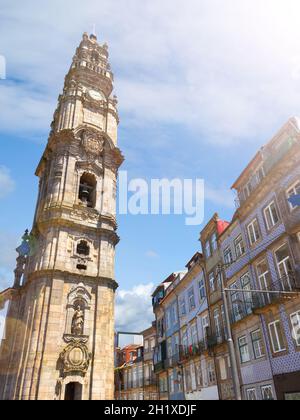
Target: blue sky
x,y
201,86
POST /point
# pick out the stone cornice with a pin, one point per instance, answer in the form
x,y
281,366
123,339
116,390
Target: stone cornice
x,y
269,183
53,273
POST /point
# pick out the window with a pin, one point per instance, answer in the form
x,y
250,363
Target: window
x,y
247,190
276,337
194,335
214,242
257,344
173,312
199,375
239,246
217,323
228,259
207,249
171,382
83,249
264,280
246,285
87,190
168,319
236,303
253,232
202,292
182,306
267,392
284,267
295,320
271,215
211,279
188,379
184,339
211,373
169,348
251,394
294,190
191,298
205,326
244,350
260,174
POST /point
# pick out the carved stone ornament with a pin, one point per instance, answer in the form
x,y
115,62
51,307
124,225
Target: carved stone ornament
x,y
75,358
92,145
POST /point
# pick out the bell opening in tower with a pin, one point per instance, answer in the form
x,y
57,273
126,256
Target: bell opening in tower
x,y
87,190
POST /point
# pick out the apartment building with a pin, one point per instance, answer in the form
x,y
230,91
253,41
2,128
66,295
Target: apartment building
x,y
134,376
183,363
209,238
261,251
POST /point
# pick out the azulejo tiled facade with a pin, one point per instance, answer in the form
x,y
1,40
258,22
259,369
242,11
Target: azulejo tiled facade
x,y
257,255
59,338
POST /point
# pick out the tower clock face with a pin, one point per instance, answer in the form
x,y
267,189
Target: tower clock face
x,y
95,95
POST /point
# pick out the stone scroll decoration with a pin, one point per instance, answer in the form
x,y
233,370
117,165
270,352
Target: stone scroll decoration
x,y
75,358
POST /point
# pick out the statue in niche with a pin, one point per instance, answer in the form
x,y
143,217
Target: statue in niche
x,y
78,321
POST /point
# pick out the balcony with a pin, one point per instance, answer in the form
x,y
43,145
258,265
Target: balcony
x,y
152,381
159,367
172,361
189,352
242,308
215,338
285,285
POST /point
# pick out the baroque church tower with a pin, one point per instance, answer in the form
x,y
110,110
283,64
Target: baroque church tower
x,y
59,335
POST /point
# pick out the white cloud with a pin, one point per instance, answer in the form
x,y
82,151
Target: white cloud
x,y
7,184
229,70
151,254
222,197
134,308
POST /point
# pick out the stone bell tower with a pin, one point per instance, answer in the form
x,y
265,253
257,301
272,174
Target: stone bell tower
x,y
59,341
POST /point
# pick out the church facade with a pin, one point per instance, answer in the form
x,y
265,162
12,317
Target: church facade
x,y
59,334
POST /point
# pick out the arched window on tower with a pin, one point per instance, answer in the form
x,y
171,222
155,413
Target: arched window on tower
x,y
87,190
83,249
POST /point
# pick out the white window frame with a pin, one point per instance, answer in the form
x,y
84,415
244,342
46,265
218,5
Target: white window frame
x,y
296,327
276,324
268,211
283,263
191,297
251,229
290,192
244,346
217,323
263,282
251,391
267,387
182,306
202,290
228,257
205,325
261,345
214,242
208,249
239,245
212,285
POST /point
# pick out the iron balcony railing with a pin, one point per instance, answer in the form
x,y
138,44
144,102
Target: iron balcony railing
x,y
215,337
250,301
159,366
172,361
